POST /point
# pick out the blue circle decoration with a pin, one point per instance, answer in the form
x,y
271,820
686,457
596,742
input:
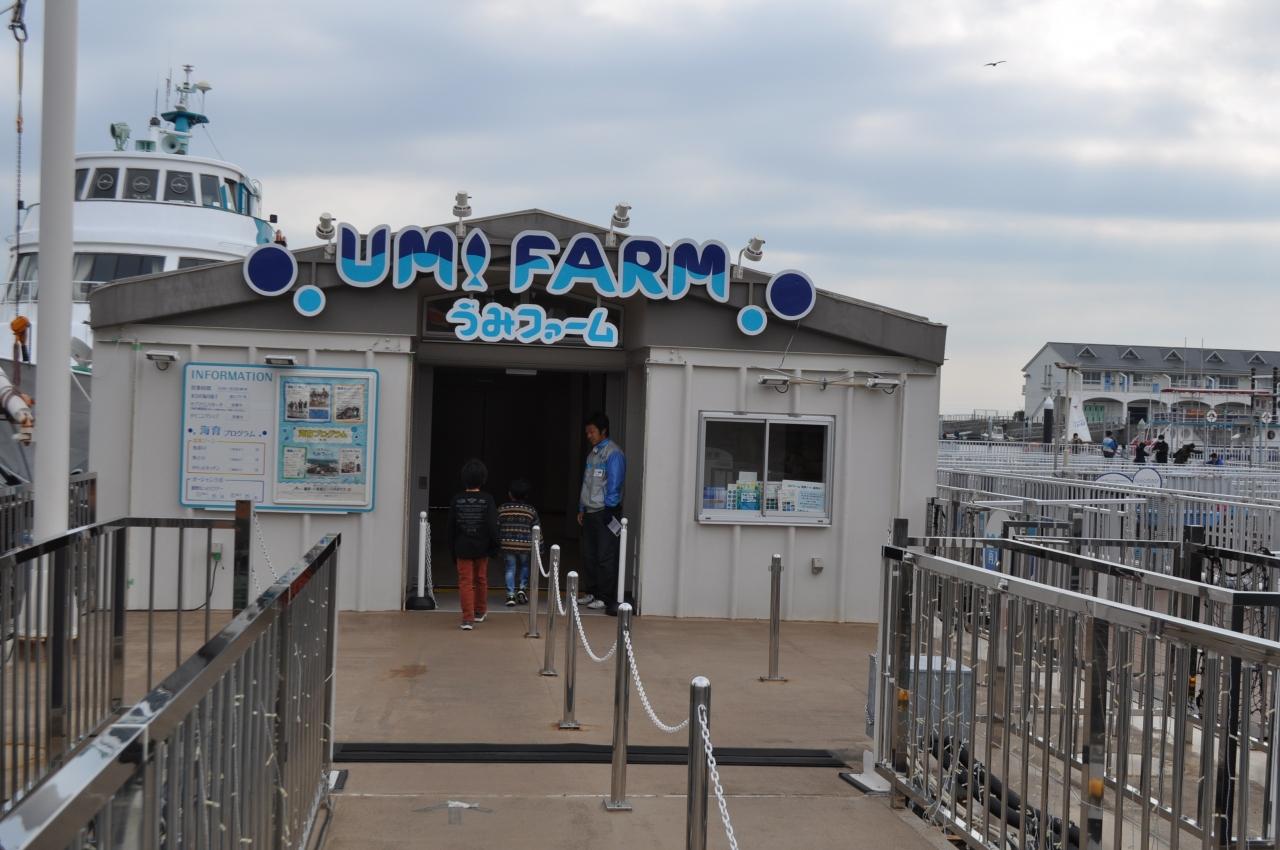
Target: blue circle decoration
x,y
791,295
752,319
270,269
309,300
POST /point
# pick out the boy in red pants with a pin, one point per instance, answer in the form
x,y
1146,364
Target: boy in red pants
x,y
473,537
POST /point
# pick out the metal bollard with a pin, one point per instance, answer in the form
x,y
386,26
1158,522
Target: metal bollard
x,y
617,801
535,575
425,598
553,590
696,813
622,563
775,618
570,658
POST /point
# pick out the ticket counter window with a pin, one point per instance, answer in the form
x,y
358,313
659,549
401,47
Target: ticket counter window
x,y
765,469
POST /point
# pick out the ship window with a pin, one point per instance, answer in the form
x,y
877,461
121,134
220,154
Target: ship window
x,y
210,192
179,187
104,268
104,183
192,262
82,177
140,184
234,194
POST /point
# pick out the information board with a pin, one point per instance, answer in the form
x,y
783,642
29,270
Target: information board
x,y
284,437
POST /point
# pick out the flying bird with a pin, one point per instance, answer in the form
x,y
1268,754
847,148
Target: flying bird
x,y
993,64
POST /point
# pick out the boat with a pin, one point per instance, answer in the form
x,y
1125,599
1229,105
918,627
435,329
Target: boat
x,y
143,208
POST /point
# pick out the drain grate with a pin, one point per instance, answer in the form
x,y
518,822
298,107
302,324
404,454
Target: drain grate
x,y
575,754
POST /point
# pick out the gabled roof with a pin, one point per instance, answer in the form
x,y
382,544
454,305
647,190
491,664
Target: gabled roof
x,y
1214,357
1173,355
1130,354
1086,352
1258,359
1148,358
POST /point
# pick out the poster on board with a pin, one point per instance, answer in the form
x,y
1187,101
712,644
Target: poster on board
x,y
286,438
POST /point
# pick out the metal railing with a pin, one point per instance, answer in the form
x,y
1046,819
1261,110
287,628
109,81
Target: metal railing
x,y
17,509
1023,714
232,749
64,617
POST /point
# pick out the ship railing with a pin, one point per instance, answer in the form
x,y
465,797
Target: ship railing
x,y
17,509
232,748
1020,713
92,619
20,292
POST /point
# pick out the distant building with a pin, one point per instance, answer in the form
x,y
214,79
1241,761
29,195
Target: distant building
x,y
1122,385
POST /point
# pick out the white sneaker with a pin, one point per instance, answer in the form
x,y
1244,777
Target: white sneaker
x,y
586,599
597,604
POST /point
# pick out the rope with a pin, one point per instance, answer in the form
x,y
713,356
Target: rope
x,y
715,777
18,28
554,590
577,618
644,698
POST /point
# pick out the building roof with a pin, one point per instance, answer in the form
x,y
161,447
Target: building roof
x,y
219,290
1156,358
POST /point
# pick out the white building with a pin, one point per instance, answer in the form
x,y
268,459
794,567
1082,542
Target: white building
x,y
1163,386
351,407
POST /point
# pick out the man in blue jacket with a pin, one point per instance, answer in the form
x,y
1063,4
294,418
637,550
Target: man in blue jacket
x,y
600,515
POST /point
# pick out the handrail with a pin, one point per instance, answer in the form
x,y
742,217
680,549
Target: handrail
x,y
55,812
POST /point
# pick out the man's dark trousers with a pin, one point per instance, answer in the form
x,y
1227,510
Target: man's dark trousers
x,y
600,555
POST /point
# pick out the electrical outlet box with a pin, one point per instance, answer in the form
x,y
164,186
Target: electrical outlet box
x,y
216,552
816,565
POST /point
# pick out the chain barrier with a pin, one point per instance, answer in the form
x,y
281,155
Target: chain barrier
x,y
537,557
715,777
582,633
554,590
644,697
262,544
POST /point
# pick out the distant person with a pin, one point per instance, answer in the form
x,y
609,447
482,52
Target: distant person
x,y
1215,459
280,240
1109,445
1161,450
1183,454
1140,451
516,519
21,351
473,537
600,515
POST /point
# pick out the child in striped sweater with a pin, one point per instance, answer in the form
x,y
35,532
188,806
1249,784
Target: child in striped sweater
x,y
516,519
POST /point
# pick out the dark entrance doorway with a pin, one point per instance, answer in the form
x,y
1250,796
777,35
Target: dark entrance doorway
x,y
523,424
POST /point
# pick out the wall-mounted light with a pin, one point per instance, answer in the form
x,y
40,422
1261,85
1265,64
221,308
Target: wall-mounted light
x,y
774,381
163,358
753,251
462,210
280,360
621,219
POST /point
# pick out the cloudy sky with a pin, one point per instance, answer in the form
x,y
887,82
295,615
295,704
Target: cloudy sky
x,y
1117,180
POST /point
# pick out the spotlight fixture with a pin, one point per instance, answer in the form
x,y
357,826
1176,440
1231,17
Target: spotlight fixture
x,y
163,358
775,381
462,210
621,219
280,360
753,251
326,231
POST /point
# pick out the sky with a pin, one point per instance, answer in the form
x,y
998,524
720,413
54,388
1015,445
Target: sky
x,y
1116,180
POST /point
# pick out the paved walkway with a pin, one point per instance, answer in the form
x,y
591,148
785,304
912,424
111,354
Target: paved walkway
x,y
415,677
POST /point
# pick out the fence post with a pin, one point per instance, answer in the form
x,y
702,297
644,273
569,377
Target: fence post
x,y
696,811
617,801
119,586
895,693
280,682
553,592
535,578
1097,642
775,618
58,648
570,657
240,561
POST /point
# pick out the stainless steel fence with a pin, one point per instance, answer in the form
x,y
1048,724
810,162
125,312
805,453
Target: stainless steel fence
x,y
64,619
17,509
1020,713
231,750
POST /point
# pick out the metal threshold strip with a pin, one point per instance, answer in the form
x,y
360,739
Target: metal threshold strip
x,y
574,754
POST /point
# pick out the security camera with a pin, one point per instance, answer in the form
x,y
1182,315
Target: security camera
x,y
325,229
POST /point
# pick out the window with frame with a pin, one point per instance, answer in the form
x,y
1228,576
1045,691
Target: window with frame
x,y
1091,378
768,468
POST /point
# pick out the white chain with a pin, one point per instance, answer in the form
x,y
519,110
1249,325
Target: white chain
x,y
644,698
537,557
555,587
577,618
262,544
715,777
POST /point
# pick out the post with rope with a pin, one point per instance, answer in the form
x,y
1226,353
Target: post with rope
x,y
570,657
535,574
553,603
425,598
240,558
696,812
617,801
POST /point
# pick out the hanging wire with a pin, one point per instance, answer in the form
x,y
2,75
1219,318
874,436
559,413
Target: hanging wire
x,y
18,27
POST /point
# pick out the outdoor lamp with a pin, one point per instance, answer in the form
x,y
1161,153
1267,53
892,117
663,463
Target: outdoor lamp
x,y
753,250
621,219
462,210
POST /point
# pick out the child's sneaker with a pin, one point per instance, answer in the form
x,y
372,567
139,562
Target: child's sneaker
x,y
511,601
466,627
522,597
480,617
586,599
597,604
